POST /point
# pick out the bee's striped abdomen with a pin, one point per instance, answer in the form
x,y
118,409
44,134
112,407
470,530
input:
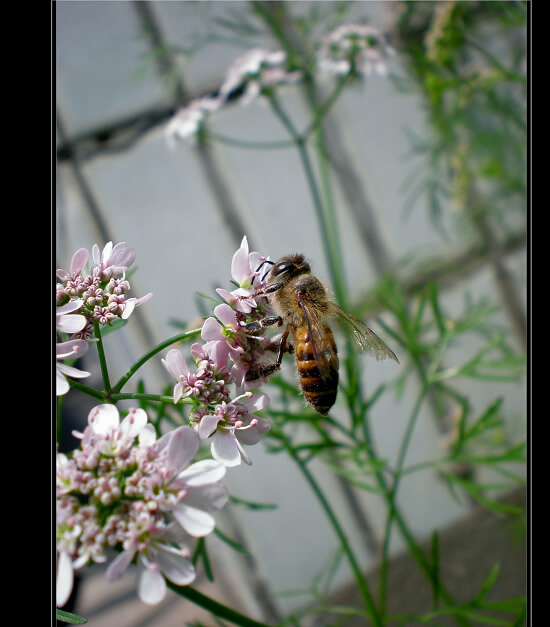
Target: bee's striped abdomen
x,y
320,392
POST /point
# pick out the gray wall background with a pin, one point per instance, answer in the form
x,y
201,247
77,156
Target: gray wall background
x,y
164,204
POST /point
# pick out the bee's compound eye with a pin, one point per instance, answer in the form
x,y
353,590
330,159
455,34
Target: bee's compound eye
x,y
281,267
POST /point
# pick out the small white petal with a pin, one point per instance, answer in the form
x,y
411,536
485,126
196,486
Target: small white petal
x,y
104,418
211,330
69,371
163,442
202,473
244,456
176,568
118,566
147,436
70,323
224,448
65,579
69,307
247,436
134,422
129,306
196,522
151,586
61,384
207,498
175,363
226,315
240,265
256,402
72,348
183,446
121,256
79,260
208,425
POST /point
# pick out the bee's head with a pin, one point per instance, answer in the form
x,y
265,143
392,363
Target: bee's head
x,y
289,267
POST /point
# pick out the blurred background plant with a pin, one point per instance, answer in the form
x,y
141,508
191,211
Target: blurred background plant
x,y
462,353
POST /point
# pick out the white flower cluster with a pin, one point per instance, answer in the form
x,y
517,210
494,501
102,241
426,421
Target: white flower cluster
x,y
83,299
226,422
250,75
350,49
125,490
354,48
128,494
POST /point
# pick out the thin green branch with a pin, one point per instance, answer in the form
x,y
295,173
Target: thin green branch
x,y
393,493
136,396
177,338
215,608
76,385
102,359
359,577
326,237
249,144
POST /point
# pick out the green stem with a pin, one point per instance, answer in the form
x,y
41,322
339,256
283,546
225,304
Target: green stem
x,y
102,359
330,222
177,338
251,145
215,608
76,385
410,541
359,577
325,107
392,496
138,396
328,243
285,143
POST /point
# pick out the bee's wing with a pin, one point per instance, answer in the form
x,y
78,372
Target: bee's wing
x,y
322,344
367,339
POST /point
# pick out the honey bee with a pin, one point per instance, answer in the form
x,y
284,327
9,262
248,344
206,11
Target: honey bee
x,y
302,303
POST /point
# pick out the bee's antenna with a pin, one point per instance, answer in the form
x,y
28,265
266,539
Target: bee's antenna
x,y
259,268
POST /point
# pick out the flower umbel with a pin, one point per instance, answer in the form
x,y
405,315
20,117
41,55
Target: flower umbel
x,y
356,49
233,424
227,423
101,295
188,121
244,271
126,490
255,72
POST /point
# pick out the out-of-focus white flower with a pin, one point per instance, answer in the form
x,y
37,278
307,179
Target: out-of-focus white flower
x,y
255,71
187,121
354,48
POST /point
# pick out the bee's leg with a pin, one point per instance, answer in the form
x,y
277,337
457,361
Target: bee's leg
x,y
264,291
265,322
261,371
